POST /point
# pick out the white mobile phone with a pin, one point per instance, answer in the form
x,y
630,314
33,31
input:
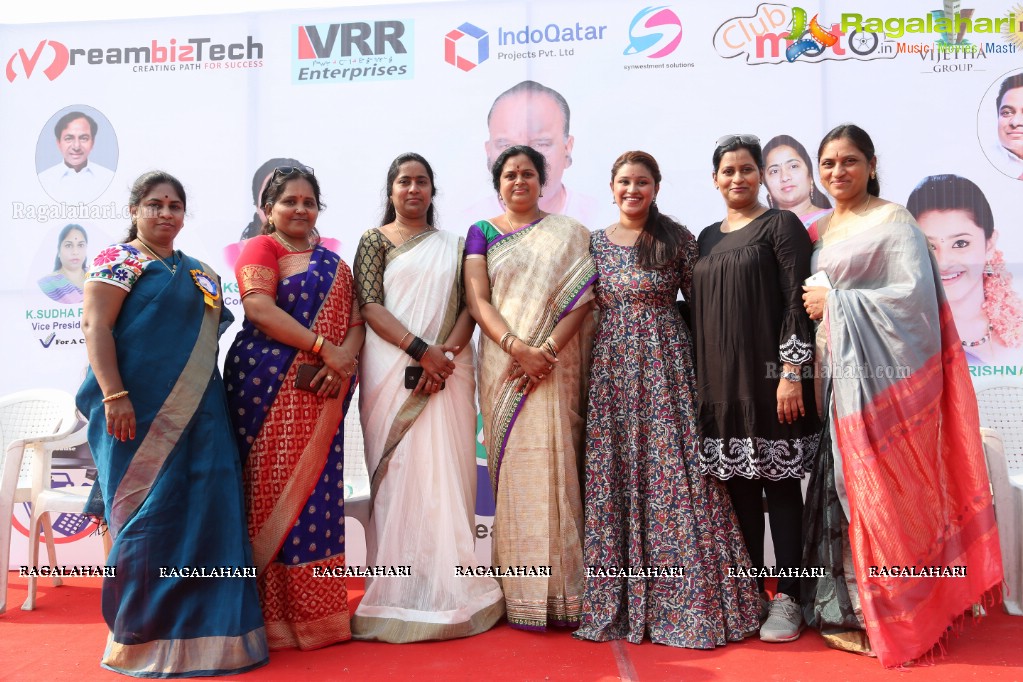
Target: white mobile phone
x,y
818,279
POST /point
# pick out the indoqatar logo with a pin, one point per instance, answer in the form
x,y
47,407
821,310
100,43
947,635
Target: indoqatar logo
x,y
654,32
777,34
466,47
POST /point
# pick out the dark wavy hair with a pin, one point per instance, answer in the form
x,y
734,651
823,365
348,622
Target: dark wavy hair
x,y
752,147
392,174
60,240
949,192
662,237
275,188
858,136
1010,83
817,197
519,150
142,187
255,225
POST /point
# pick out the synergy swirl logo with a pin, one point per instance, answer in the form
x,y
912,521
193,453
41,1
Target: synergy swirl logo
x,y
654,32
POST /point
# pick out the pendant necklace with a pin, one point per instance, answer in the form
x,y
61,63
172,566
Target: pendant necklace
x,y
148,248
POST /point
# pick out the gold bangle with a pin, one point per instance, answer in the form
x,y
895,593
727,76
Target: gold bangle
x,y
318,344
115,396
407,334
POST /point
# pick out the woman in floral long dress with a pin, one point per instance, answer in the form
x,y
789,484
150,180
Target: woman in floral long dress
x,y
647,506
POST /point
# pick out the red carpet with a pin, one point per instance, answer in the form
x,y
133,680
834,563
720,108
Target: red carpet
x,y
64,638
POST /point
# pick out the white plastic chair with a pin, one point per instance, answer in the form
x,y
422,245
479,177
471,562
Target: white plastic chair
x,y
46,499
27,420
1000,402
357,505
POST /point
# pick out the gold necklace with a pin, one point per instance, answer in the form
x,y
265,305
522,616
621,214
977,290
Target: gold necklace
x,y
864,207
404,236
512,225
148,248
286,244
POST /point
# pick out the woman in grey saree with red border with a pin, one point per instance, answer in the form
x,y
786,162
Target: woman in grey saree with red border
x,y
183,601
898,500
539,274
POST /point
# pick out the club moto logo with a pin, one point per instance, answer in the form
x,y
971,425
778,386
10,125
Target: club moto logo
x,y
49,57
655,32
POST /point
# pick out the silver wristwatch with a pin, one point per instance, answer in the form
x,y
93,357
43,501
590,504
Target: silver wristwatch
x,y
790,376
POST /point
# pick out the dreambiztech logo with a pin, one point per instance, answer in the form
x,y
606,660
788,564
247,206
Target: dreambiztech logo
x,y
655,32
58,61
466,47
158,55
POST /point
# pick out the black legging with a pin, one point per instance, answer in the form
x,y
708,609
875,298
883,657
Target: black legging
x,y
785,509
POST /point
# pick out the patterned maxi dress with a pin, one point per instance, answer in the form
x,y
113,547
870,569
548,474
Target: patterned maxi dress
x,y
647,504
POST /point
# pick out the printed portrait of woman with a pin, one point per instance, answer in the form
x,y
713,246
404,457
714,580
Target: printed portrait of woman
x,y
956,217
789,181
64,284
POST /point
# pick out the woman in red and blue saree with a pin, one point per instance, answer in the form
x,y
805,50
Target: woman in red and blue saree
x,y
529,278
899,486
420,437
183,602
299,312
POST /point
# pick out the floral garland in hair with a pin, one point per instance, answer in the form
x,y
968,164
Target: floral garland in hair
x,y
1002,305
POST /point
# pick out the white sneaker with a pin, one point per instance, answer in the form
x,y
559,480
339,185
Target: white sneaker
x,y
785,621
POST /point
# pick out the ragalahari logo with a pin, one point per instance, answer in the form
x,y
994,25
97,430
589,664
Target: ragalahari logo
x,y
53,61
654,32
466,47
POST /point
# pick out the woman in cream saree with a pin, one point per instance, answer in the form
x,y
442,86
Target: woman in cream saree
x,y
529,280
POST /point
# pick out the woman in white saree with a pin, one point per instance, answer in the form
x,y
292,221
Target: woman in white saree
x,y
420,441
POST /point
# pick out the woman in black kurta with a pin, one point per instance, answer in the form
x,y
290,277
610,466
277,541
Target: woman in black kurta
x,y
758,422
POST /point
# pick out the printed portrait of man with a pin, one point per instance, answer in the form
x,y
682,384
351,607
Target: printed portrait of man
x,y
533,114
1007,153
76,178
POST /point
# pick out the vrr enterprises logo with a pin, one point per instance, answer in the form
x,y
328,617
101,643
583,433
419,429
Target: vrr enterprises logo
x,y
357,51
466,47
763,39
655,32
57,63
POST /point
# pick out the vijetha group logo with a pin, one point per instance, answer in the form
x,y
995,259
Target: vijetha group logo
x,y
466,47
776,34
655,32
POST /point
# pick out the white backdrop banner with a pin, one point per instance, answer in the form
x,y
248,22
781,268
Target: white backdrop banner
x,y
218,101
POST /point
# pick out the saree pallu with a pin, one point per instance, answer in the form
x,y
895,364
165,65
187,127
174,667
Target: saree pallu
x,y
173,495
420,452
292,442
60,289
538,274
908,468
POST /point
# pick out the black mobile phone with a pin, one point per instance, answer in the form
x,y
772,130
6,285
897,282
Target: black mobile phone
x,y
412,377
304,377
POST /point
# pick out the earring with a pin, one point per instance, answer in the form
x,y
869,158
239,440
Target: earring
x,y
873,175
989,269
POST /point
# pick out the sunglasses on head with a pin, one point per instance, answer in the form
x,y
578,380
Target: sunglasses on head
x,y
285,171
728,140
